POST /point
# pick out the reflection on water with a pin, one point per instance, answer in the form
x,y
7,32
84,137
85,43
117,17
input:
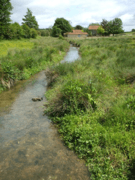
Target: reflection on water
x,y
30,147
72,55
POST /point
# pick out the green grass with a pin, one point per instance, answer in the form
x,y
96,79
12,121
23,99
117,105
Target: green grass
x,y
92,101
7,45
20,63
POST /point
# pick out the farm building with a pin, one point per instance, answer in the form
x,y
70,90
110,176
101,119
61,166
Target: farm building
x,y
76,34
93,29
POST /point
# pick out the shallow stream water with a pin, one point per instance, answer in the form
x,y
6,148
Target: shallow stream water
x,y
30,146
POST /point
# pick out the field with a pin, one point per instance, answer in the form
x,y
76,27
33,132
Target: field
x,y
92,102
19,59
7,45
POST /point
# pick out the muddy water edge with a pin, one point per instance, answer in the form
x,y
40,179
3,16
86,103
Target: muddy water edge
x,y
30,146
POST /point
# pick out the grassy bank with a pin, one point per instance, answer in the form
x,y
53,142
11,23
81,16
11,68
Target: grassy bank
x,y
92,101
25,58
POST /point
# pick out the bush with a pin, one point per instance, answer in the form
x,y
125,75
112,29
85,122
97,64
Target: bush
x,y
26,31
17,31
14,31
61,37
44,32
56,31
33,33
74,97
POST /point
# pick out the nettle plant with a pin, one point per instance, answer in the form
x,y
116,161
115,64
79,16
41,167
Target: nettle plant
x,y
78,96
131,102
74,97
9,70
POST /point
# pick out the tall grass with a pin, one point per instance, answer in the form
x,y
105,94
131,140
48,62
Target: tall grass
x,y
12,45
21,63
93,102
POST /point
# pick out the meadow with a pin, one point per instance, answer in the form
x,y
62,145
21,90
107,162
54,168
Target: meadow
x,y
19,59
92,102
7,45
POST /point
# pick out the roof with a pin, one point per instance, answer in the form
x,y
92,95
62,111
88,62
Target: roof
x,y
77,32
93,27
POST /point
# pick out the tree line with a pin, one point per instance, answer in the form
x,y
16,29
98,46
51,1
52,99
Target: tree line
x,y
9,30
30,27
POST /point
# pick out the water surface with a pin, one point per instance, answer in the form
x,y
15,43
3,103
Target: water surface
x,y
30,146
72,54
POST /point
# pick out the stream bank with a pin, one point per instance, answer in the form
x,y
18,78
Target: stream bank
x,y
30,146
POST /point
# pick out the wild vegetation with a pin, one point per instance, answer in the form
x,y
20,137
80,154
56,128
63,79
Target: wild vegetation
x,y
29,58
92,101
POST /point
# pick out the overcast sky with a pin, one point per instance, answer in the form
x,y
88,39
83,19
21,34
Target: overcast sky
x,y
82,12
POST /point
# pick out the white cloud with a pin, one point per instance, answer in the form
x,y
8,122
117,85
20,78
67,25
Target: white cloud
x,y
81,12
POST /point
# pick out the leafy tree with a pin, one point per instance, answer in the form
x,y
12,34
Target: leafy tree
x,y
56,32
112,27
100,30
5,12
78,27
133,30
63,24
115,26
30,20
104,25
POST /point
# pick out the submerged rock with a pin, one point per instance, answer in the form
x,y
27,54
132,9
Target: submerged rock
x,y
37,99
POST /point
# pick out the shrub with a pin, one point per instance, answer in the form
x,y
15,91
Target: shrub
x,y
56,31
14,31
33,33
44,33
74,97
61,37
26,31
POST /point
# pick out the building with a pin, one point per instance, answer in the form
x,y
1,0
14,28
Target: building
x,y
93,29
76,34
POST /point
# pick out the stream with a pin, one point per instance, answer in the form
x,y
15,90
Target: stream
x,y
30,145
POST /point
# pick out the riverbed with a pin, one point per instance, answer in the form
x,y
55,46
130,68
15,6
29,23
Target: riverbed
x,y
30,146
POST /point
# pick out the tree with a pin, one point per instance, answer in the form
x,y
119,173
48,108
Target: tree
x,y
56,32
117,26
100,30
104,25
30,20
78,27
112,27
63,24
5,12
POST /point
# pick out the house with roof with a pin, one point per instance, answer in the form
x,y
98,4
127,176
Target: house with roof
x,y
76,34
93,29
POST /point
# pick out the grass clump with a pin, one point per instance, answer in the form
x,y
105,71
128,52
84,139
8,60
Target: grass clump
x,y
74,97
92,100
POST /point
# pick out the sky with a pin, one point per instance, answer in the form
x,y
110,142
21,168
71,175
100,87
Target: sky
x,y
77,12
